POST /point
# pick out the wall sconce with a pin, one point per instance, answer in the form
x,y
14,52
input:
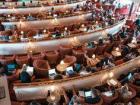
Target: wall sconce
x,y
21,32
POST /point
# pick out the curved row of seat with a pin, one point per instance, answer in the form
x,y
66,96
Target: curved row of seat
x,y
37,9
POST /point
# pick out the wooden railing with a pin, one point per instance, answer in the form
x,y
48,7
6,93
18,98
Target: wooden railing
x,y
38,90
20,48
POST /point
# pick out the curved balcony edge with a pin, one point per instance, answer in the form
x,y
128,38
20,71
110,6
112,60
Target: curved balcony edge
x,y
39,9
20,48
38,90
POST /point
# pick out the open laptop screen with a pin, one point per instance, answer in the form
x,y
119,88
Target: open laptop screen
x,y
88,94
52,71
30,70
69,70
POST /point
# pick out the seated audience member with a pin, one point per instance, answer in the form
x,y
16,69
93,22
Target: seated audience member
x,y
92,96
136,79
25,75
131,55
30,18
11,68
34,103
125,92
1,69
75,99
105,63
77,67
101,41
125,50
126,78
2,28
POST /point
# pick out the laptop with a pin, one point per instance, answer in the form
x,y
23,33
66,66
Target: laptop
x,y
88,94
69,70
81,93
11,67
108,93
52,73
113,82
30,70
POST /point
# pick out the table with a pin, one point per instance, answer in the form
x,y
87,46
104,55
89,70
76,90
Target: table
x,y
131,45
92,61
62,67
116,53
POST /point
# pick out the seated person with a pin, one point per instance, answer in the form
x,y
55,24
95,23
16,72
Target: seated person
x,y
75,99
30,18
34,103
91,96
77,67
125,50
91,69
136,79
84,71
105,63
11,68
90,45
2,70
126,78
124,90
27,74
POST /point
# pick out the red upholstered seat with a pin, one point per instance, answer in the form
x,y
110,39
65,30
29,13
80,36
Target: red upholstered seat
x,y
107,100
130,97
100,49
79,54
65,50
52,57
36,56
70,60
137,88
4,60
41,67
90,51
18,103
118,62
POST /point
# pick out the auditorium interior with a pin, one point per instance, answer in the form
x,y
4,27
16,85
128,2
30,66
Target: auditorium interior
x,y
69,52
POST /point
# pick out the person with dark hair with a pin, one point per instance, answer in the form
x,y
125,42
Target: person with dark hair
x,y
2,28
25,76
34,103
